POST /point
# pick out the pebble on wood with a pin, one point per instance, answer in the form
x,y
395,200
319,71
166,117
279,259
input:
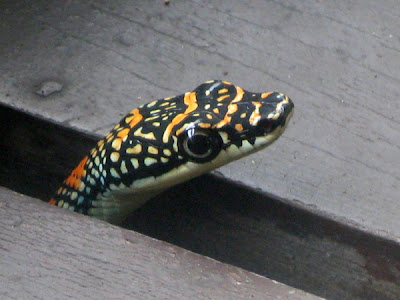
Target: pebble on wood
x,y
49,87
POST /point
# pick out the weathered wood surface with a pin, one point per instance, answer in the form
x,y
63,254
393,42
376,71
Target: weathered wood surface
x,y
339,62
49,253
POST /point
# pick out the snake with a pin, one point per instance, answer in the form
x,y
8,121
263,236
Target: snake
x,y
169,141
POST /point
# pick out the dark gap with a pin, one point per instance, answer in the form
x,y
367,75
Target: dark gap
x,y
213,216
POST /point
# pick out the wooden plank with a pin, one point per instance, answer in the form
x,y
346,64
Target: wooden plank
x,y
49,253
339,62
277,238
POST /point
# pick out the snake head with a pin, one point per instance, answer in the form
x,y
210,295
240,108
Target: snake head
x,y
169,141
230,122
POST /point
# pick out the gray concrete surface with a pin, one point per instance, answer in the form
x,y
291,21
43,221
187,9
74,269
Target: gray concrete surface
x,y
42,257
339,62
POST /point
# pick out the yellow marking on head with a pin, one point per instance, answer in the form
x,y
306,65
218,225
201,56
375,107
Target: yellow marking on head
x,y
151,118
156,124
243,115
165,103
117,126
151,104
152,150
168,98
148,136
265,95
223,91
239,127
156,111
148,161
134,150
208,93
114,156
175,143
164,159
134,119
60,203
227,82
180,130
224,136
221,98
232,108
190,100
116,144
255,115
216,110
209,116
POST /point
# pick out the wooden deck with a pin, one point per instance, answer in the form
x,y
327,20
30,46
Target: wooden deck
x,y
340,63
48,253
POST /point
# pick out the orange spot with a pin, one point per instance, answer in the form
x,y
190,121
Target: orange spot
x,y
204,125
123,132
223,91
232,108
265,95
239,127
134,119
221,98
227,82
255,116
52,201
74,180
190,100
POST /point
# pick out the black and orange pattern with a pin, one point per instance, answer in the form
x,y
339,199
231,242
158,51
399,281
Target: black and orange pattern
x,y
171,140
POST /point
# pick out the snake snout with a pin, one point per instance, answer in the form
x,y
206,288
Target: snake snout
x,y
287,110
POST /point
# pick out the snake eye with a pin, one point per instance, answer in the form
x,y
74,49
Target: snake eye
x,y
199,145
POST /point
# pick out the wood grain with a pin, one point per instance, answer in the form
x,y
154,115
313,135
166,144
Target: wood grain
x,y
49,253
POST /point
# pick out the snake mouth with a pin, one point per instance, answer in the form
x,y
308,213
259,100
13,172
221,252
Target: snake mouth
x,y
287,111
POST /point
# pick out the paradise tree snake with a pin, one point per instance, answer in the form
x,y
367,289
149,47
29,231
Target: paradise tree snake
x,y
169,141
